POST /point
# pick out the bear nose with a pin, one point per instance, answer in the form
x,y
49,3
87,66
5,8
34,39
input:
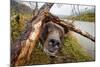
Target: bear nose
x,y
54,42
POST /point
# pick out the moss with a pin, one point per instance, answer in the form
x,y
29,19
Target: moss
x,y
38,57
71,52
18,24
72,49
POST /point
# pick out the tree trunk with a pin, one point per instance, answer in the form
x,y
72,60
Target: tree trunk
x,y
22,49
29,44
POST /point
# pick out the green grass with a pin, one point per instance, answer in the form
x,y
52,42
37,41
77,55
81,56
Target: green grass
x,y
89,17
38,57
18,24
71,52
72,49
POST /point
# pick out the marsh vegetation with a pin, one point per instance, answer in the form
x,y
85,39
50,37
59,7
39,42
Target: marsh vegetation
x,y
72,51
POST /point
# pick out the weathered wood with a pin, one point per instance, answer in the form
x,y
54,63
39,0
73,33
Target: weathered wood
x,y
29,44
22,49
70,26
45,8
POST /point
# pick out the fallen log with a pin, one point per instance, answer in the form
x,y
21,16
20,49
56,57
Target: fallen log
x,y
29,44
22,49
70,26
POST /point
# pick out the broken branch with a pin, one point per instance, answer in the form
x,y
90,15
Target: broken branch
x,y
70,26
22,49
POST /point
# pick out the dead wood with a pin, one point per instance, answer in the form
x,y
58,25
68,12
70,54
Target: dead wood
x,y
70,26
22,49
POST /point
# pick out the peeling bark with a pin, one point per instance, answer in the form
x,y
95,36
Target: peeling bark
x,y
29,44
22,49
70,26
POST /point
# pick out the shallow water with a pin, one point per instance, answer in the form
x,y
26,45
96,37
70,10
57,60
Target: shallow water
x,y
87,44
